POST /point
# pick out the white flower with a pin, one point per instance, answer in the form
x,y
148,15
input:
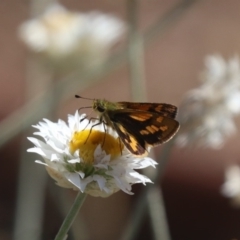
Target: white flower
x,y
63,36
206,114
231,187
74,156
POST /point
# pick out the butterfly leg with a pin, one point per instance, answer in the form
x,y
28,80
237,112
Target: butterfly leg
x,y
83,108
94,125
105,132
120,145
89,120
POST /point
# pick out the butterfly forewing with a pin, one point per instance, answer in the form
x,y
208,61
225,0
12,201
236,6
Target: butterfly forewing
x,y
165,109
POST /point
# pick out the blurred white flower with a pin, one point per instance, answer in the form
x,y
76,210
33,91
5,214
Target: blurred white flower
x,y
75,158
231,187
206,114
70,38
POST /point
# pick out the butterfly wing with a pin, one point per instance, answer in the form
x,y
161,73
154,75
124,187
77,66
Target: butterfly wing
x,y
140,129
133,142
165,109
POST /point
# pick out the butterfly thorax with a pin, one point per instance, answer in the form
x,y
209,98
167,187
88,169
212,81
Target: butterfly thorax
x,y
102,105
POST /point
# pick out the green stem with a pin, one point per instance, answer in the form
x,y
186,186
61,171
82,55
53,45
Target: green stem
x,y
68,221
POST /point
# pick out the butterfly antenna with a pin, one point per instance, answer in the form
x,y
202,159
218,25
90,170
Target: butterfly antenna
x,y
77,96
83,108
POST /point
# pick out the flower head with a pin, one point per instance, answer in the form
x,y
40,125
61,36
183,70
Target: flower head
x,y
231,187
87,159
67,38
206,114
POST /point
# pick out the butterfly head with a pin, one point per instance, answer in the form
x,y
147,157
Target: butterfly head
x,y
102,106
99,105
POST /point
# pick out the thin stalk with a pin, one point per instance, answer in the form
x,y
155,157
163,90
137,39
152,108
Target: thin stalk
x,y
31,194
138,90
141,203
157,212
135,53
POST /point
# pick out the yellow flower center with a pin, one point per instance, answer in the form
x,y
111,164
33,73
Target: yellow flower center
x,y
86,142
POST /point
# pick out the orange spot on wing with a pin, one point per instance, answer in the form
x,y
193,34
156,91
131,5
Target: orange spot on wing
x,y
164,128
141,117
150,129
144,132
159,119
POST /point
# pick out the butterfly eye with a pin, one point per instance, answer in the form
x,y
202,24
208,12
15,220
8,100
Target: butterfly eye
x,y
100,109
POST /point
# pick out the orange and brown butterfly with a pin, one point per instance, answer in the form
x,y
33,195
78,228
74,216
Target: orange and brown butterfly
x,y
138,125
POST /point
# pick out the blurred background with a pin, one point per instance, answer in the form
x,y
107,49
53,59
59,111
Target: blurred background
x,y
155,52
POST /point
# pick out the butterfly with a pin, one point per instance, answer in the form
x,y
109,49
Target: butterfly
x,y
138,125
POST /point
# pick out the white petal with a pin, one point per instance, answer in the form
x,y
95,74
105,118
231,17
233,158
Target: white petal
x,y
77,160
100,180
40,162
75,180
81,174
